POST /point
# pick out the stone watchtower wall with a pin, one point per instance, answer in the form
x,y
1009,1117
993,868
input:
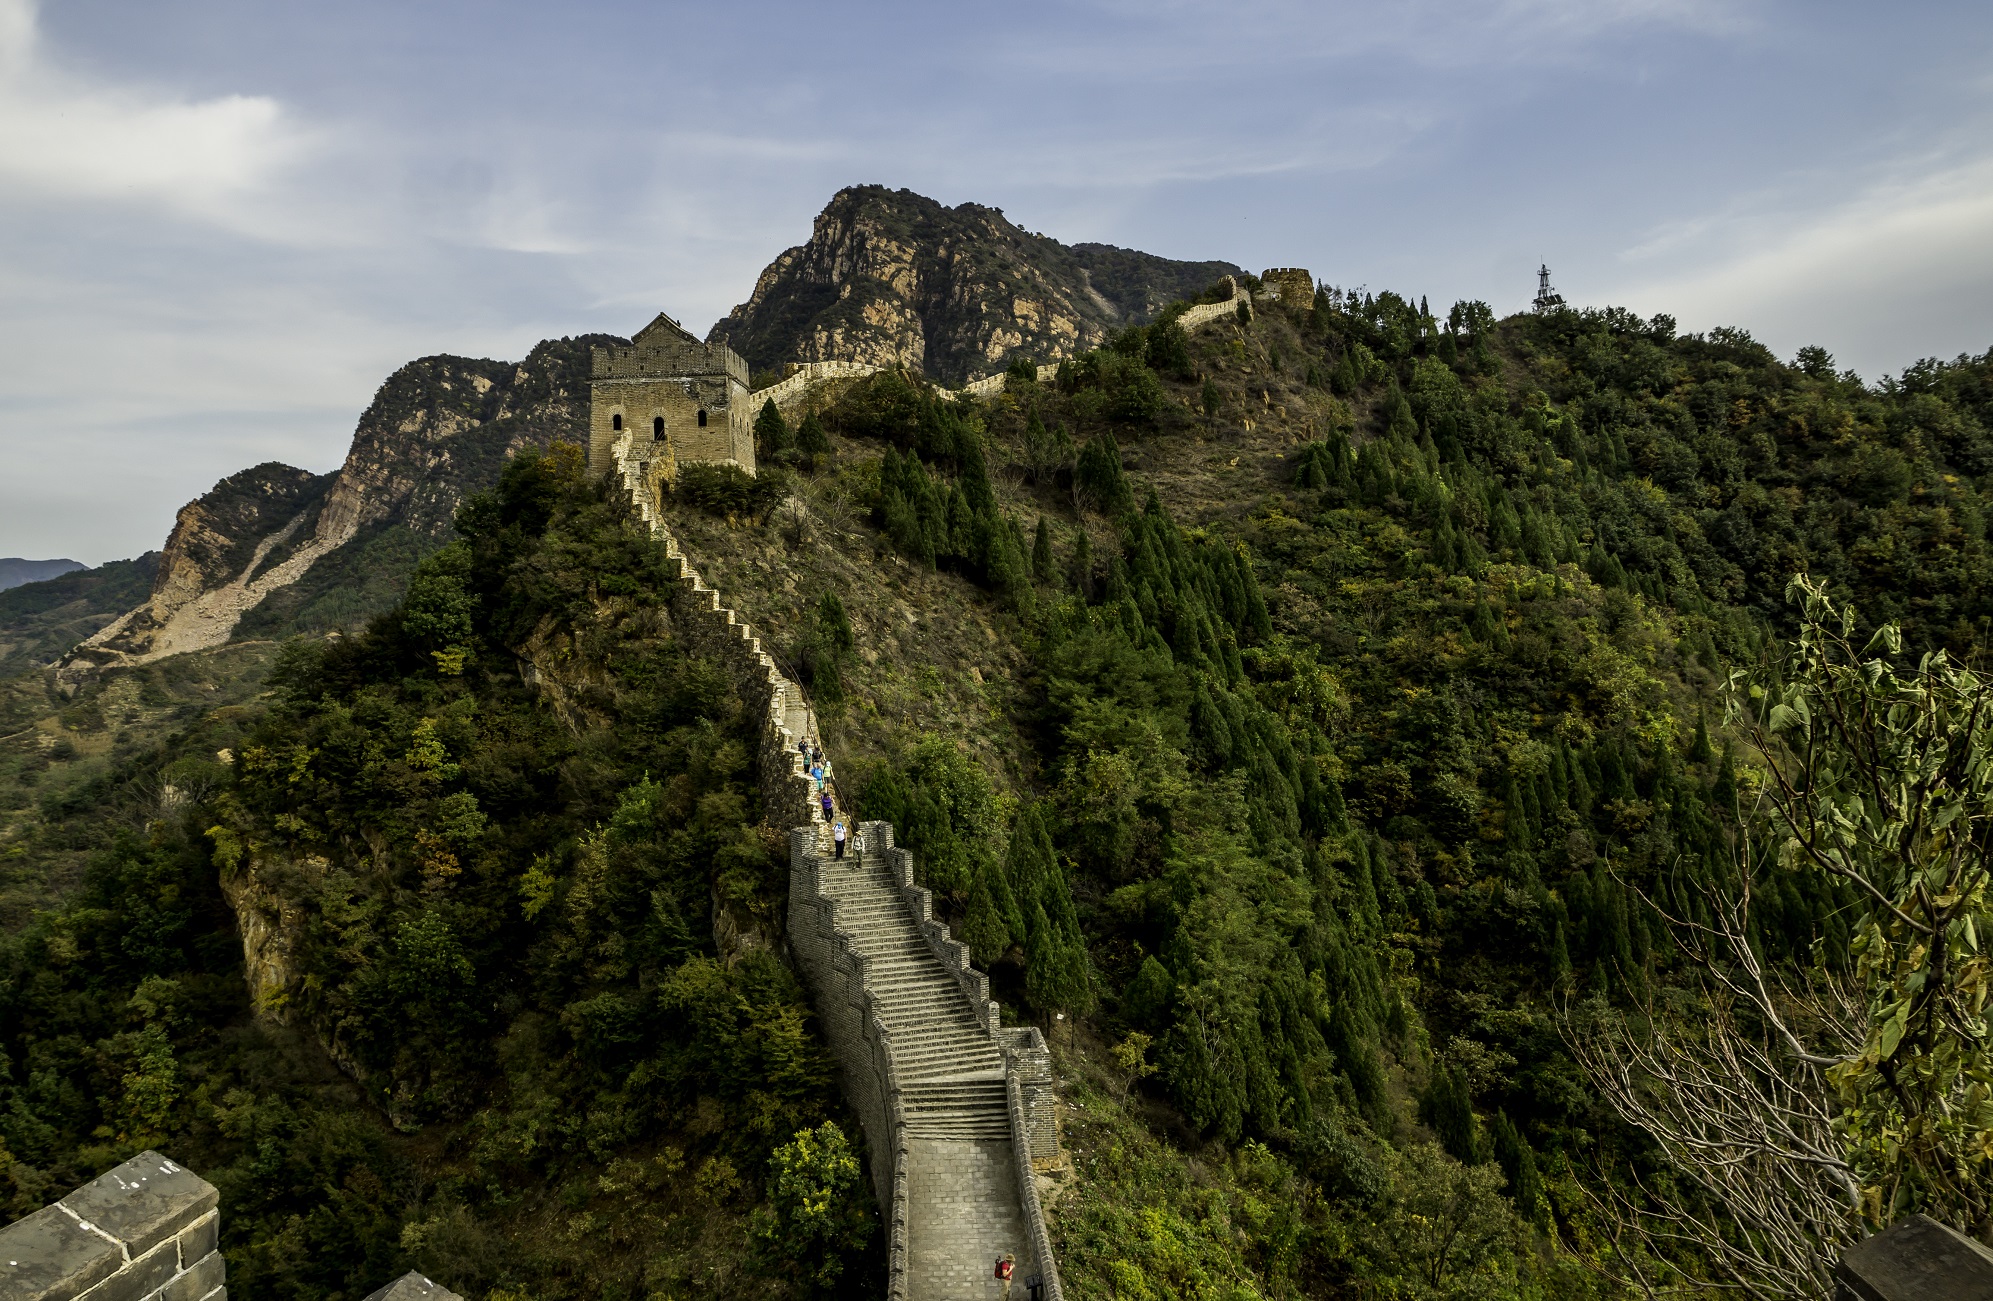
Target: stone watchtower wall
x,y
1202,312
679,399
823,942
1292,285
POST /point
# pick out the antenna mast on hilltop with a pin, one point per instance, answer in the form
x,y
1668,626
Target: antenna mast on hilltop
x,y
1546,297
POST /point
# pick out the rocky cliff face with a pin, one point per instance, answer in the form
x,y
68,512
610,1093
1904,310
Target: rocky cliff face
x,y
438,430
892,278
207,572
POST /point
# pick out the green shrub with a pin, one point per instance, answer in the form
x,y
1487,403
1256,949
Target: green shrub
x,y
728,490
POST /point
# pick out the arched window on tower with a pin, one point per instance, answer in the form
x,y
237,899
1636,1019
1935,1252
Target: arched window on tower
x,y
702,417
616,421
657,427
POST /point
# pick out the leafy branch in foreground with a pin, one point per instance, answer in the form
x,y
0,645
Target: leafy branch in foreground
x,y
1798,1107
1883,778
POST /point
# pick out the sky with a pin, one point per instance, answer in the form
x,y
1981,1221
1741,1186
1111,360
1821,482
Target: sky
x,y
224,222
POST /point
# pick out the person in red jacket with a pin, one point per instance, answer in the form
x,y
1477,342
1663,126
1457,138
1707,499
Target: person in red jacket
x,y
1005,1266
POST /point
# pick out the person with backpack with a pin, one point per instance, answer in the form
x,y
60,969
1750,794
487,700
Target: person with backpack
x,y
1006,1264
837,838
826,806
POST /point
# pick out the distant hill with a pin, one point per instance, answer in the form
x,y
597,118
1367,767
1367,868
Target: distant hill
x,y
14,571
888,276
41,620
894,278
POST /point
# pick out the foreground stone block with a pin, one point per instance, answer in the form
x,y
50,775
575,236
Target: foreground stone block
x,y
145,1231
1917,1259
413,1287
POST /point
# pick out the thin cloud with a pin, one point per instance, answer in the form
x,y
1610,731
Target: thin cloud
x,y
63,137
1883,269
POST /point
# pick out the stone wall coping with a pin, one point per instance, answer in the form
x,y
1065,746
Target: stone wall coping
x,y
143,1202
143,1229
412,1287
1915,1259
1202,312
1027,1190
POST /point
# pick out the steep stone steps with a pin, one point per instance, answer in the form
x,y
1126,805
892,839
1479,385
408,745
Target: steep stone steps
x,y
954,1121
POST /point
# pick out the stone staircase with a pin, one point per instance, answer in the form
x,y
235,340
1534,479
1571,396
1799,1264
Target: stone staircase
x,y
957,1108
950,1073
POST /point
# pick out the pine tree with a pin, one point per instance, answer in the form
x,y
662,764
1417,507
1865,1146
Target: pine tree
x,y
812,440
771,432
1210,399
1518,1162
983,928
1044,566
1344,379
1099,476
1146,1001
1723,794
1449,1110
1081,568
1700,752
1515,815
1399,420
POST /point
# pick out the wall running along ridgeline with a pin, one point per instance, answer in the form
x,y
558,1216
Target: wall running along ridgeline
x,y
805,378
956,1107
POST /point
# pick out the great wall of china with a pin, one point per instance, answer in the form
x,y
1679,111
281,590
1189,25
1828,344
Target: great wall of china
x,y
805,378
959,1111
956,1108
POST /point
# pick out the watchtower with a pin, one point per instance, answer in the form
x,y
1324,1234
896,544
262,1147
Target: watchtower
x,y
679,400
1295,286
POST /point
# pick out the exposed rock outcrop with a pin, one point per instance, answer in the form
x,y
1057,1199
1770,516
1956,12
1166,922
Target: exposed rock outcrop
x,y
438,430
891,278
209,571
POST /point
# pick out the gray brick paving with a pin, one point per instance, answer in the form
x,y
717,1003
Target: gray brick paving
x,y
963,1214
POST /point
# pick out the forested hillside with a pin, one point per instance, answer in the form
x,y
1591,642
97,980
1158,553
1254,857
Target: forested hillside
x,y
510,841
1286,713
1365,665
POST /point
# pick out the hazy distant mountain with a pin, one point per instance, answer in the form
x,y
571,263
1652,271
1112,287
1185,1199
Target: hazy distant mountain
x,y
14,571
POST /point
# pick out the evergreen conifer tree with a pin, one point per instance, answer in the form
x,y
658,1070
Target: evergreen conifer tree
x,y
1080,569
1723,794
983,927
1518,1162
1343,379
1448,1109
771,432
812,440
1043,565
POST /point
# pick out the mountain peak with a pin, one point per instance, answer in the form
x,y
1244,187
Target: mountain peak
x,y
895,278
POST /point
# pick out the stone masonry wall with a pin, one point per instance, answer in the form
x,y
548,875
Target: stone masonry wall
x,y
1203,312
831,966
1294,286
146,1231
